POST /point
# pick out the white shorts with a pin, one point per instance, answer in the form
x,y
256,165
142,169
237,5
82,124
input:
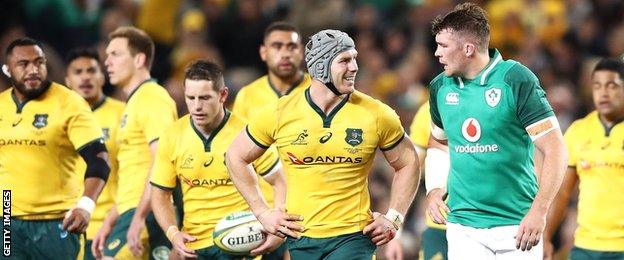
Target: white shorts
x,y
487,243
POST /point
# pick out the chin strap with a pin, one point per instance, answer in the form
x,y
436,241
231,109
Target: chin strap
x,y
333,88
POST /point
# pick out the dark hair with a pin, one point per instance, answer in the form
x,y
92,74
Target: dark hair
x,y
138,42
611,64
205,70
24,41
280,26
82,52
466,18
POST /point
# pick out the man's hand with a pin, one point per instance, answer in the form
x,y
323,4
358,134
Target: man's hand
x,y
381,231
531,229
134,236
76,220
179,240
270,244
99,241
279,223
394,250
435,203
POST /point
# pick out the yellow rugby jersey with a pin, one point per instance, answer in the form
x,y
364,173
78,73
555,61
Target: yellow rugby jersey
x,y
149,110
38,143
257,95
420,130
327,158
598,156
208,193
261,93
107,113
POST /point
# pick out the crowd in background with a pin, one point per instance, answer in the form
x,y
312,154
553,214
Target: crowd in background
x,y
559,40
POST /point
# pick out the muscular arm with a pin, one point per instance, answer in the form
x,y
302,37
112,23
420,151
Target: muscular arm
x,y
242,152
560,204
404,160
553,167
163,209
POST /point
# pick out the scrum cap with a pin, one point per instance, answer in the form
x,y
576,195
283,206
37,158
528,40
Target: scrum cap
x,y
321,50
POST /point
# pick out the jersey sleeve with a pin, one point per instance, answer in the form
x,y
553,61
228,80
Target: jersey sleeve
x,y
163,173
160,113
82,126
434,113
240,108
389,128
261,128
421,126
531,102
570,138
268,163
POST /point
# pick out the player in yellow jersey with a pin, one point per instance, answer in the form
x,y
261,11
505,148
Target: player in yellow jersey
x,y
149,110
596,145
44,128
193,151
85,76
282,52
327,136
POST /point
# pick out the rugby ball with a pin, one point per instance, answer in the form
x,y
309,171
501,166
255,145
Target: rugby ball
x,y
238,233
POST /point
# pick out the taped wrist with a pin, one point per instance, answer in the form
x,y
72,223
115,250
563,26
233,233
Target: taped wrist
x,y
437,166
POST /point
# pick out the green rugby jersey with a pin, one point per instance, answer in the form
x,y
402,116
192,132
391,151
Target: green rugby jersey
x,y
492,180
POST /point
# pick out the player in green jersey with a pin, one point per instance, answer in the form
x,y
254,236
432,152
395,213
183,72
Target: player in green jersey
x,y
492,114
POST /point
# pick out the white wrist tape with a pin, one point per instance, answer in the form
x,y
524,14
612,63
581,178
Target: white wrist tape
x,y
395,217
437,132
86,203
437,165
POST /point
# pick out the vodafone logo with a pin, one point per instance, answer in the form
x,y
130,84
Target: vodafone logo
x,y
471,130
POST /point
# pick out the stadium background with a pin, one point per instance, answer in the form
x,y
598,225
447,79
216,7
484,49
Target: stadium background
x,y
560,40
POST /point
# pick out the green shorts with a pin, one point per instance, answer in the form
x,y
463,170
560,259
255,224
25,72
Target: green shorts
x,y
157,244
213,252
434,245
355,246
88,255
586,254
42,239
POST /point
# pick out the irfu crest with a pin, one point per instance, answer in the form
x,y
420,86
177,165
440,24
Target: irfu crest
x,y
40,121
493,96
354,136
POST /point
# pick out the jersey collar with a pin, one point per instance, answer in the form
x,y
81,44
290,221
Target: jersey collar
x,y
208,141
99,103
140,85
19,106
326,118
495,58
295,85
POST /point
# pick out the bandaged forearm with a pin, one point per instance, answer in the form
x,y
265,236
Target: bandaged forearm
x,y
437,166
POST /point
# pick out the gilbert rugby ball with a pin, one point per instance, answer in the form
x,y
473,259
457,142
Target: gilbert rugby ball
x,y
238,233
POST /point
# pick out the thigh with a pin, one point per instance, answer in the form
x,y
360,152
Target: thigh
x,y
277,254
214,253
305,248
88,255
434,244
503,242
47,240
463,244
116,243
356,246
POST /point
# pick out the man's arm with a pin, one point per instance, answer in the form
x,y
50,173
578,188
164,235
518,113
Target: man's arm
x,y
165,215
278,182
551,145
559,209
437,166
242,152
138,220
404,161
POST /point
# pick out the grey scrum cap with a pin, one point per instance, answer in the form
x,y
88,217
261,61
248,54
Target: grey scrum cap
x,y
321,50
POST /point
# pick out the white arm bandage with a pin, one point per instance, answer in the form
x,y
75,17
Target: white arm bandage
x,y
437,165
437,132
542,127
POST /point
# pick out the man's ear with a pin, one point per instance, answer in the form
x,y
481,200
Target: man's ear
x,y
5,70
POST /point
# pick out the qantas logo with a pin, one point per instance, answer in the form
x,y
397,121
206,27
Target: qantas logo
x,y
471,130
323,159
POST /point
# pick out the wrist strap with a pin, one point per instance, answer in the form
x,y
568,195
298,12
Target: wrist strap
x,y
86,203
395,217
171,231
